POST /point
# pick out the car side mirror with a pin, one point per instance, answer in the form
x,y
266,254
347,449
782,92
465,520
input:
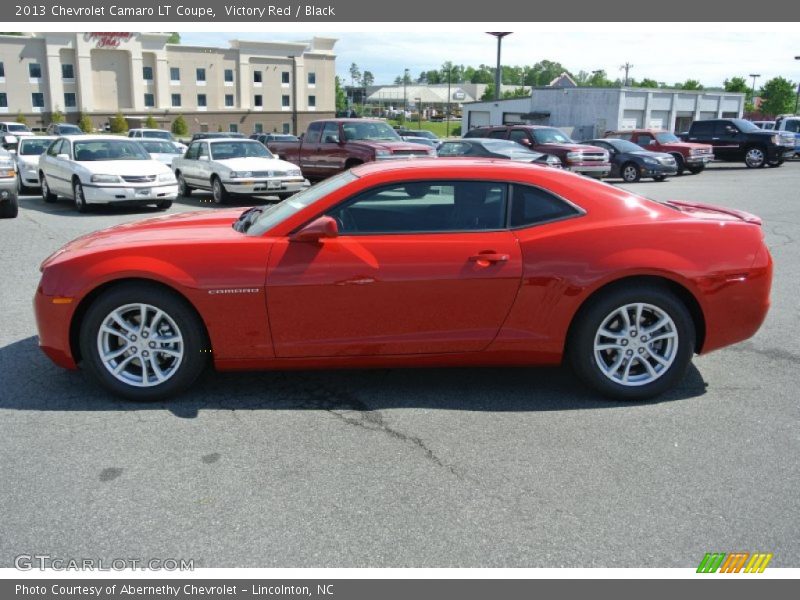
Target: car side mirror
x,y
331,139
651,143
525,142
63,156
319,229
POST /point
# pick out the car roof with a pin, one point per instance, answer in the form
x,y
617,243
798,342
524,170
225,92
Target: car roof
x,y
153,139
28,138
227,139
97,138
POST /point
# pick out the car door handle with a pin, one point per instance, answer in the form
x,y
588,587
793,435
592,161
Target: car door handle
x,y
489,257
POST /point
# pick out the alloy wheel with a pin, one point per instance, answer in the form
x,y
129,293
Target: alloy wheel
x,y
754,157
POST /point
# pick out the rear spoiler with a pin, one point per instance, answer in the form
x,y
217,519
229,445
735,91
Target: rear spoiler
x,y
739,214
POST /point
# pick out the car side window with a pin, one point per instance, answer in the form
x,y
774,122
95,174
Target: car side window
x,y
532,205
498,134
624,136
518,135
53,149
202,150
330,135
194,148
424,207
702,128
644,140
313,134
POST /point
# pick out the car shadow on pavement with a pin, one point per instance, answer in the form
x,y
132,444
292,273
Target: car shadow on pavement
x,y
31,382
205,200
64,207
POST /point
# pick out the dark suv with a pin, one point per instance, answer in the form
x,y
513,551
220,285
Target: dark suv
x,y
580,158
741,140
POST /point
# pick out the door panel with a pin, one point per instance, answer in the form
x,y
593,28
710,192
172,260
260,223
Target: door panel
x,y
391,294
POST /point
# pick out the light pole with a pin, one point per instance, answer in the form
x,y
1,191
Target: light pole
x,y
797,97
419,112
405,99
498,74
447,112
753,88
626,67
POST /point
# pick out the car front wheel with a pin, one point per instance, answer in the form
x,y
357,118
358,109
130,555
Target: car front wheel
x,y
80,199
633,344
630,173
47,195
143,342
218,191
755,158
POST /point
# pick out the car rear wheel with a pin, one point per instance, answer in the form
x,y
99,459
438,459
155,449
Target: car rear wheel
x,y
630,172
679,163
775,163
164,204
47,195
9,208
80,199
632,344
143,342
218,191
755,158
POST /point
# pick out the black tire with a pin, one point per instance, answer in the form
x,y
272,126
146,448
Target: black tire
x,y
218,191
22,189
775,163
47,195
680,164
755,157
164,204
183,188
196,351
80,199
694,170
9,208
630,172
659,178
581,351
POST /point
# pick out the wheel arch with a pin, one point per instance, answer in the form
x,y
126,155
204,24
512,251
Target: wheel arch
x,y
90,297
682,292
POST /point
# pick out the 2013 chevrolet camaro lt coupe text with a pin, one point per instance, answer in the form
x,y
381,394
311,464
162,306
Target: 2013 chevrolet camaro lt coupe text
x,y
432,262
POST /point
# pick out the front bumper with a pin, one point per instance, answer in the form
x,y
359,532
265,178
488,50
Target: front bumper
x,y
702,159
658,170
53,320
265,186
140,194
591,169
30,178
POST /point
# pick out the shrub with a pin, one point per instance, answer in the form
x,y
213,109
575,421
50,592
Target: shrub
x,y
179,126
150,122
85,123
21,118
57,116
119,124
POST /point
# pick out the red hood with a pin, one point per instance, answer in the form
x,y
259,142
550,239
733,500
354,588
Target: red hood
x,y
391,146
573,147
181,227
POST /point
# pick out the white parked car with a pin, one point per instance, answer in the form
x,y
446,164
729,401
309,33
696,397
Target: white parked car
x,y
13,129
161,134
104,169
236,166
27,156
161,150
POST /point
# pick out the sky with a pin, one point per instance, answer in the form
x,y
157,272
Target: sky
x,y
658,51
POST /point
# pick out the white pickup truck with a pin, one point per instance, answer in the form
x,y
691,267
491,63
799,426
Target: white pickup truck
x,y
790,123
228,166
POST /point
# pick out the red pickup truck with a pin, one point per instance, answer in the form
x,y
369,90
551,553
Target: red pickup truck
x,y
334,145
693,157
580,158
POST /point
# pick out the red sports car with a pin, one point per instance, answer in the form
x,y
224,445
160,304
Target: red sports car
x,y
409,264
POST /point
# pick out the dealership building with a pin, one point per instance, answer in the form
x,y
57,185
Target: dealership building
x,y
250,86
588,112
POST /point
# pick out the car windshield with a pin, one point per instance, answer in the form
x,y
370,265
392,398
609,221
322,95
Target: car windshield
x,y
277,213
34,146
666,138
237,149
162,135
551,136
369,130
511,149
95,150
624,146
159,147
17,127
745,126
69,129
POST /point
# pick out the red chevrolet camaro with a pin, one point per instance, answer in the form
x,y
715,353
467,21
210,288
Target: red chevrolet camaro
x,y
448,262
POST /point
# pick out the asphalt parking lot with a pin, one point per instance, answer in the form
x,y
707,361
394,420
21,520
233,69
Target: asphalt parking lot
x,y
431,468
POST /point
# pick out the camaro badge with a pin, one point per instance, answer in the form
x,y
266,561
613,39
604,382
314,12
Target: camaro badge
x,y
235,291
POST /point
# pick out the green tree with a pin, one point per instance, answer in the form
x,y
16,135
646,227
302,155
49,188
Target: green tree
x,y
543,72
85,123
57,116
179,126
778,96
355,74
599,79
647,83
482,74
341,97
118,123
689,84
150,122
174,38
736,84
367,79
21,118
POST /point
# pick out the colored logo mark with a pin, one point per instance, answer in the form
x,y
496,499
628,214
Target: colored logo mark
x,y
735,562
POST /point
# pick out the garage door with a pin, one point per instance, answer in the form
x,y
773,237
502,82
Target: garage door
x,y
478,118
659,119
632,119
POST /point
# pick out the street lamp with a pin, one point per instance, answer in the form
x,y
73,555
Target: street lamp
x,y
419,112
797,97
405,99
497,74
753,88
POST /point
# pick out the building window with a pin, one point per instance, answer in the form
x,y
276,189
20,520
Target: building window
x,y
257,75
35,70
37,100
201,75
229,100
285,78
233,128
312,102
285,101
149,100
3,100
147,73
201,101
67,72
258,100
70,100
287,128
312,78
176,99
174,75
258,128
2,71
228,75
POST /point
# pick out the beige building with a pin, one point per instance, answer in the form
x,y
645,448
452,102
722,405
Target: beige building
x,y
252,86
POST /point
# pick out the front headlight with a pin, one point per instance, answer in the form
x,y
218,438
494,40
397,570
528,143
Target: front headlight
x,y
6,164
166,176
106,179
241,174
651,161
574,155
382,153
294,173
